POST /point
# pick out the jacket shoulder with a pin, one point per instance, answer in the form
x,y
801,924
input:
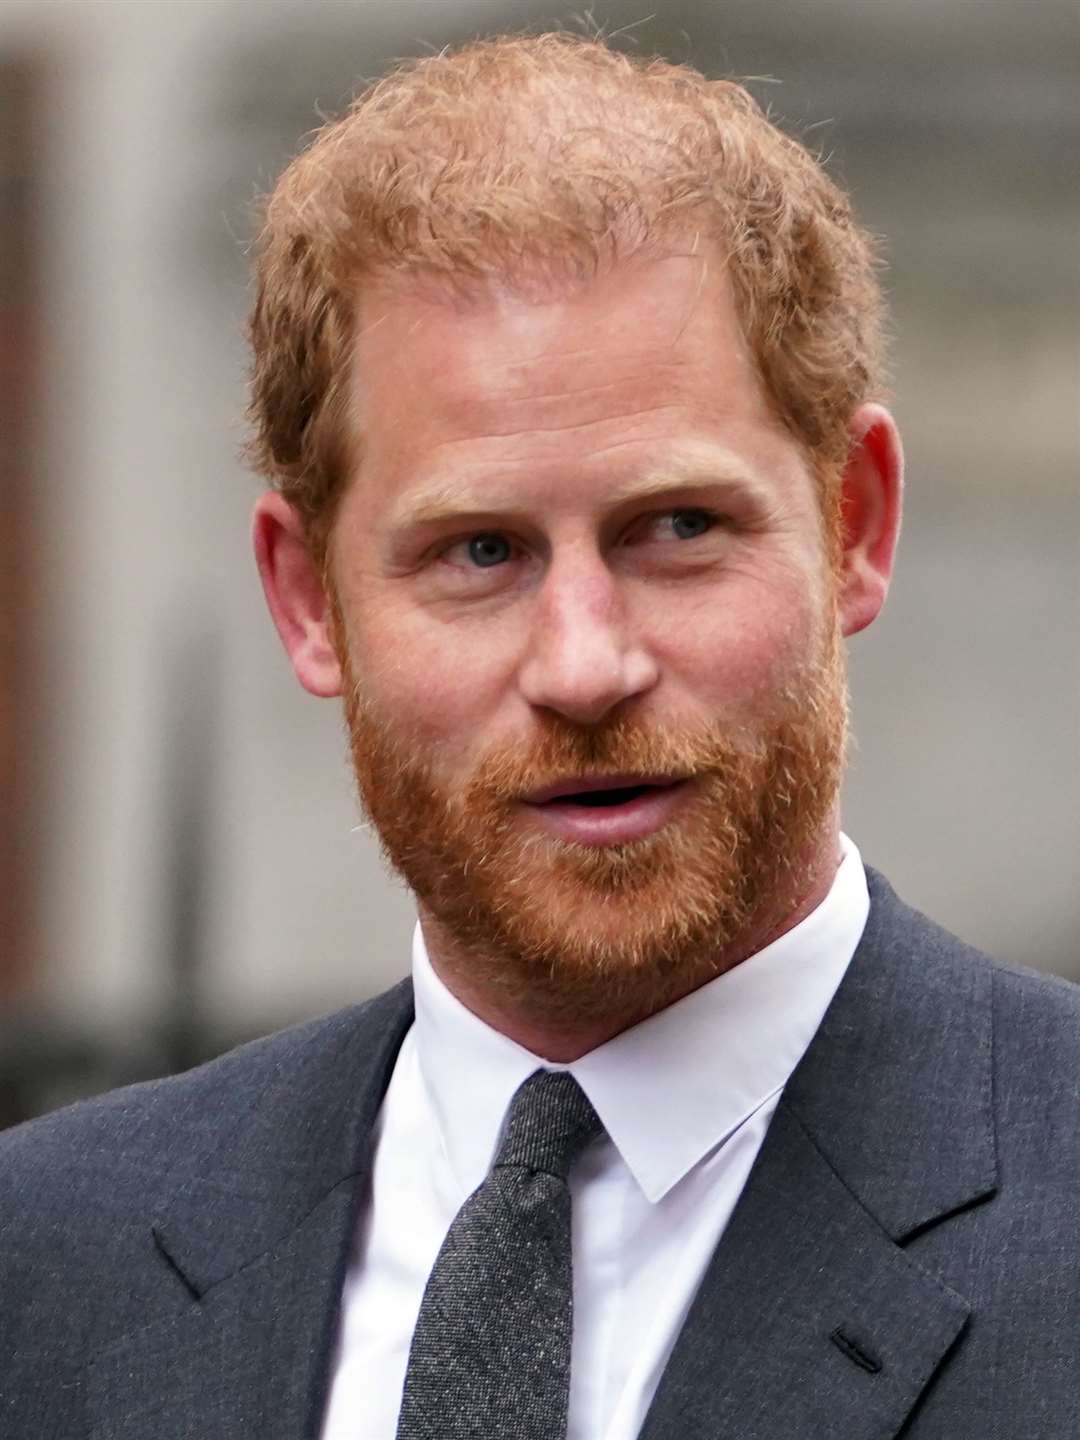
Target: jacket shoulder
x,y
1035,997
80,1189
148,1121
1016,988
1037,1076
1033,1033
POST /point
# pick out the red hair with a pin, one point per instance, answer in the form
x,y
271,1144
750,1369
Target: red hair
x,y
544,160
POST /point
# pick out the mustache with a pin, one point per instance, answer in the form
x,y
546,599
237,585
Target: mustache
x,y
564,752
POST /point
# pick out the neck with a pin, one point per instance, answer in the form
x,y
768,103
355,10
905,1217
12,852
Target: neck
x,y
564,1041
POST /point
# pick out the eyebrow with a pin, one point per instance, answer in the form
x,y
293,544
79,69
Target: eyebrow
x,y
685,467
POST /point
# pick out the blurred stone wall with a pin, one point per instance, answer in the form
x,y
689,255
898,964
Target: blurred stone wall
x,y
199,840
19,310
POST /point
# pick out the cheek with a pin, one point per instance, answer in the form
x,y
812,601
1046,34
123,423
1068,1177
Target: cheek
x,y
735,652
443,688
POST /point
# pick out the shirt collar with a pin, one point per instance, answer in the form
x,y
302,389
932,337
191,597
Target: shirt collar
x,y
713,1058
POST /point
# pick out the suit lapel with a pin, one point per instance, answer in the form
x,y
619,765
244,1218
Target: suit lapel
x,y
252,1258
896,1089
247,1359
812,1320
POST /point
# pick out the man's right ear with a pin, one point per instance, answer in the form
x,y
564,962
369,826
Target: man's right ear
x,y
294,591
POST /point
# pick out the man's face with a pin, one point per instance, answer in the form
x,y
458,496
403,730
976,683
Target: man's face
x,y
593,678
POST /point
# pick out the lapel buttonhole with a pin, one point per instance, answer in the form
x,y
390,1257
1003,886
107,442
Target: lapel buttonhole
x,y
856,1351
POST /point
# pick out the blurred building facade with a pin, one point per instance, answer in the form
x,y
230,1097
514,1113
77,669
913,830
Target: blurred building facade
x,y
186,857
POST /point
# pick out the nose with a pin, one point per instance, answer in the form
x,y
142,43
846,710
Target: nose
x,y
582,658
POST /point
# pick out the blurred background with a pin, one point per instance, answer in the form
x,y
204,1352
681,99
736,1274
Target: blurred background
x,y
180,863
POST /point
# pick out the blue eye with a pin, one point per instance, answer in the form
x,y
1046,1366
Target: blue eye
x,y
689,524
488,549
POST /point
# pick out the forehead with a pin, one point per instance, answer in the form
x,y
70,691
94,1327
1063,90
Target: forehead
x,y
540,387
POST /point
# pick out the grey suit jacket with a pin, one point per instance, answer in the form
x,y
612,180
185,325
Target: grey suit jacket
x,y
903,1261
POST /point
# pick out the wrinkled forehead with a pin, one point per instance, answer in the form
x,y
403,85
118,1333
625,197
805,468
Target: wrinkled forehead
x,y
672,308
619,387
651,347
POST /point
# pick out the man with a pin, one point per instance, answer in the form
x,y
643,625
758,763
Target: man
x,y
568,380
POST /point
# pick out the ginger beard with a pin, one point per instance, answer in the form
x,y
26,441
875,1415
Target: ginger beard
x,y
563,929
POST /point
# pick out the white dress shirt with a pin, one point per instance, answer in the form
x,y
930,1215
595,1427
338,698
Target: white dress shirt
x,y
685,1098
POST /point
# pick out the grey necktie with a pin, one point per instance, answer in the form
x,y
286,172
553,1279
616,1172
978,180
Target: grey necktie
x,y
490,1354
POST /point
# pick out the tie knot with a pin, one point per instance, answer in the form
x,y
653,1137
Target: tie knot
x,y
549,1123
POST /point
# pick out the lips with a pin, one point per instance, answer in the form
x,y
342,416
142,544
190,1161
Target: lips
x,y
599,789
607,809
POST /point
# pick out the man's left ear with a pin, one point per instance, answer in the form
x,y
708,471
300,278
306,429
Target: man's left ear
x,y
870,504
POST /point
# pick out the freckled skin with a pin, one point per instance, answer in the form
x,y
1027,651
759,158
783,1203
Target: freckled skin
x,y
579,508
562,404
